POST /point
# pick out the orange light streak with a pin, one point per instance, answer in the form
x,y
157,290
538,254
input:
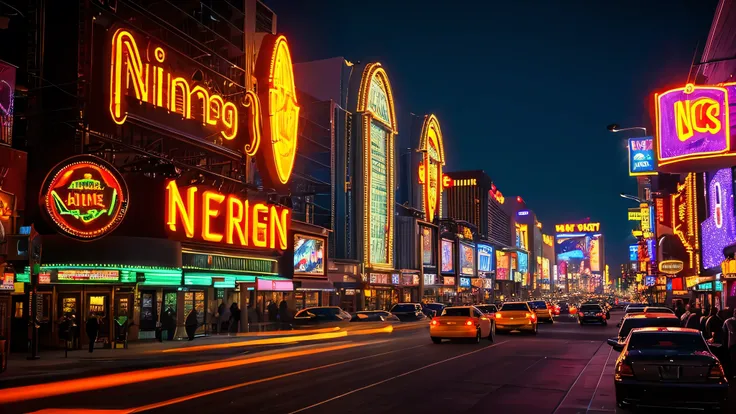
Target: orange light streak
x,y
255,342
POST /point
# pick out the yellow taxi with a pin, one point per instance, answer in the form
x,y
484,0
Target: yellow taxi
x,y
457,322
515,316
543,311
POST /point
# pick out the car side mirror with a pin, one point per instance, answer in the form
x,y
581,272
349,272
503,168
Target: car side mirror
x,y
615,344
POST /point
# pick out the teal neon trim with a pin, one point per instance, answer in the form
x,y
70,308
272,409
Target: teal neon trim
x,y
228,270
197,280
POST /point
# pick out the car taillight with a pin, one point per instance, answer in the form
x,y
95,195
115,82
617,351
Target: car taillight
x,y
581,314
624,370
498,315
469,322
434,322
716,373
598,314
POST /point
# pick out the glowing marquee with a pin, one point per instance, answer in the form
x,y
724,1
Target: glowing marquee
x,y
577,227
693,124
148,77
684,207
203,214
431,144
85,197
376,104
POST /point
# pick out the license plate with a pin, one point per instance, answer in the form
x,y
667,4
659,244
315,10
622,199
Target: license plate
x,y
450,323
669,372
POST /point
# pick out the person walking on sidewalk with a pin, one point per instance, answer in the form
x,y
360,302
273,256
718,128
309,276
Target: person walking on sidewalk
x,y
191,324
729,342
234,323
92,328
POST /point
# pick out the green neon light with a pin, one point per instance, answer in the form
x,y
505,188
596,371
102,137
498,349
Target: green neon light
x,y
162,279
23,277
227,270
89,216
198,280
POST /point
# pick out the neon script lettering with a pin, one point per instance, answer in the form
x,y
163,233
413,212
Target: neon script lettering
x,y
207,215
578,227
700,115
147,79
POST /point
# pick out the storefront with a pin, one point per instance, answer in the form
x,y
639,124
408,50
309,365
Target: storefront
x,y
348,285
440,289
484,282
381,291
409,287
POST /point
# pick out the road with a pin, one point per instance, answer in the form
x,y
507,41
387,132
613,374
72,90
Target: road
x,y
564,369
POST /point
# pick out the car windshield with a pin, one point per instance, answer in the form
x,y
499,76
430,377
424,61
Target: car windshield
x,y
675,341
590,308
538,304
516,306
456,312
404,308
487,308
435,306
631,323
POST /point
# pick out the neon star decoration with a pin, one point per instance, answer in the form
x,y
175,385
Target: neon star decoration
x,y
85,197
431,144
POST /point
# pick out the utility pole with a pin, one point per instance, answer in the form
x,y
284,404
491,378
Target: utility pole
x,y
34,259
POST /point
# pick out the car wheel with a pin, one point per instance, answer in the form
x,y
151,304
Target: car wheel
x,y
437,340
535,329
493,331
477,337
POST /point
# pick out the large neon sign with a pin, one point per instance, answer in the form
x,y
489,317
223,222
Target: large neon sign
x,y
577,227
201,213
684,207
693,123
376,104
431,144
85,197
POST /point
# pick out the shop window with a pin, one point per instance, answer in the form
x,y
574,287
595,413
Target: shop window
x,y
18,313
195,300
97,305
69,306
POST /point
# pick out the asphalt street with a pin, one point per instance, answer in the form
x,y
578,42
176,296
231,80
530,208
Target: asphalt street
x,y
563,369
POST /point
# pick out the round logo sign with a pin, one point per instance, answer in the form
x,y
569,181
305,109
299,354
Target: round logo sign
x,y
85,197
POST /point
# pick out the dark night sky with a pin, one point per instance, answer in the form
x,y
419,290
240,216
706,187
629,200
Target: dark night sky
x,y
523,89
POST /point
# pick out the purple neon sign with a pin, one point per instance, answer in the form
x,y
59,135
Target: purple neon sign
x,y
693,122
719,229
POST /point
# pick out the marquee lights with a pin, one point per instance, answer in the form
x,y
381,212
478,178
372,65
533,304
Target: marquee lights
x,y
152,82
203,214
684,218
579,227
85,197
431,144
496,194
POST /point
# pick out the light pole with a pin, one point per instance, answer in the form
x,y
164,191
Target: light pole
x,y
617,128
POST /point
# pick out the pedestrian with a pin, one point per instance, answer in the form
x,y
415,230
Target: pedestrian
x,y
729,342
273,311
93,328
221,309
714,327
683,318
234,322
283,313
191,324
679,309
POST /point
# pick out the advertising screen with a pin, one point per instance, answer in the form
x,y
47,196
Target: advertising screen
x,y
308,255
485,258
427,250
633,253
595,258
523,262
467,262
719,228
502,265
641,156
571,248
379,222
545,268
448,247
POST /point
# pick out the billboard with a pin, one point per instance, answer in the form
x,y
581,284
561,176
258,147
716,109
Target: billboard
x,y
595,255
719,228
7,103
448,264
633,252
502,265
308,255
427,246
641,156
485,258
580,253
467,259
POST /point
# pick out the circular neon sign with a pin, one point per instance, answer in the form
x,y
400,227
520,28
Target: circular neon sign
x,y
85,197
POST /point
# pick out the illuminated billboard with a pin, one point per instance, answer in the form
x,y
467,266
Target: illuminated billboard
x,y
502,265
485,258
448,254
684,207
693,125
467,259
719,228
428,246
430,170
376,103
641,156
595,258
308,255
633,253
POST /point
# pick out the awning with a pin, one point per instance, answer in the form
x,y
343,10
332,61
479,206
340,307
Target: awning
x,y
325,285
274,285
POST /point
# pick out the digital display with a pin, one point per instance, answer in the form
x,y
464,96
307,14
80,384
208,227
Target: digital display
x,y
427,249
485,258
633,253
595,259
465,282
467,262
719,228
523,262
379,218
502,265
641,156
650,280
308,255
448,247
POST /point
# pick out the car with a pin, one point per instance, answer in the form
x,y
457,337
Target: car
x,y
540,308
433,309
592,313
461,322
669,367
374,316
516,316
644,320
563,308
321,314
632,308
658,309
489,309
408,312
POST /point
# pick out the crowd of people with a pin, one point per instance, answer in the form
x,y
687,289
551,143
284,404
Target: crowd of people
x,y
717,327
227,320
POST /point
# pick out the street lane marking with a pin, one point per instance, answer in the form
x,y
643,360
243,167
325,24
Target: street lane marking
x,y
395,377
577,379
603,370
51,389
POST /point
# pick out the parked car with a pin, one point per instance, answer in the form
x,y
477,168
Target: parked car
x,y
669,367
643,320
433,309
466,322
374,316
408,312
640,308
321,314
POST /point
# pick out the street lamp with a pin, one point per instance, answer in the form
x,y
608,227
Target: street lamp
x,y
634,198
617,128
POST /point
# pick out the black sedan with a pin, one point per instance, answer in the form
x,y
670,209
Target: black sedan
x,y
669,367
408,312
592,314
374,316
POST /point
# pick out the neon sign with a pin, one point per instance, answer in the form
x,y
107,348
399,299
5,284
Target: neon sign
x,y
577,227
719,228
149,78
548,240
202,214
684,207
85,197
82,275
641,156
430,171
693,123
496,194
